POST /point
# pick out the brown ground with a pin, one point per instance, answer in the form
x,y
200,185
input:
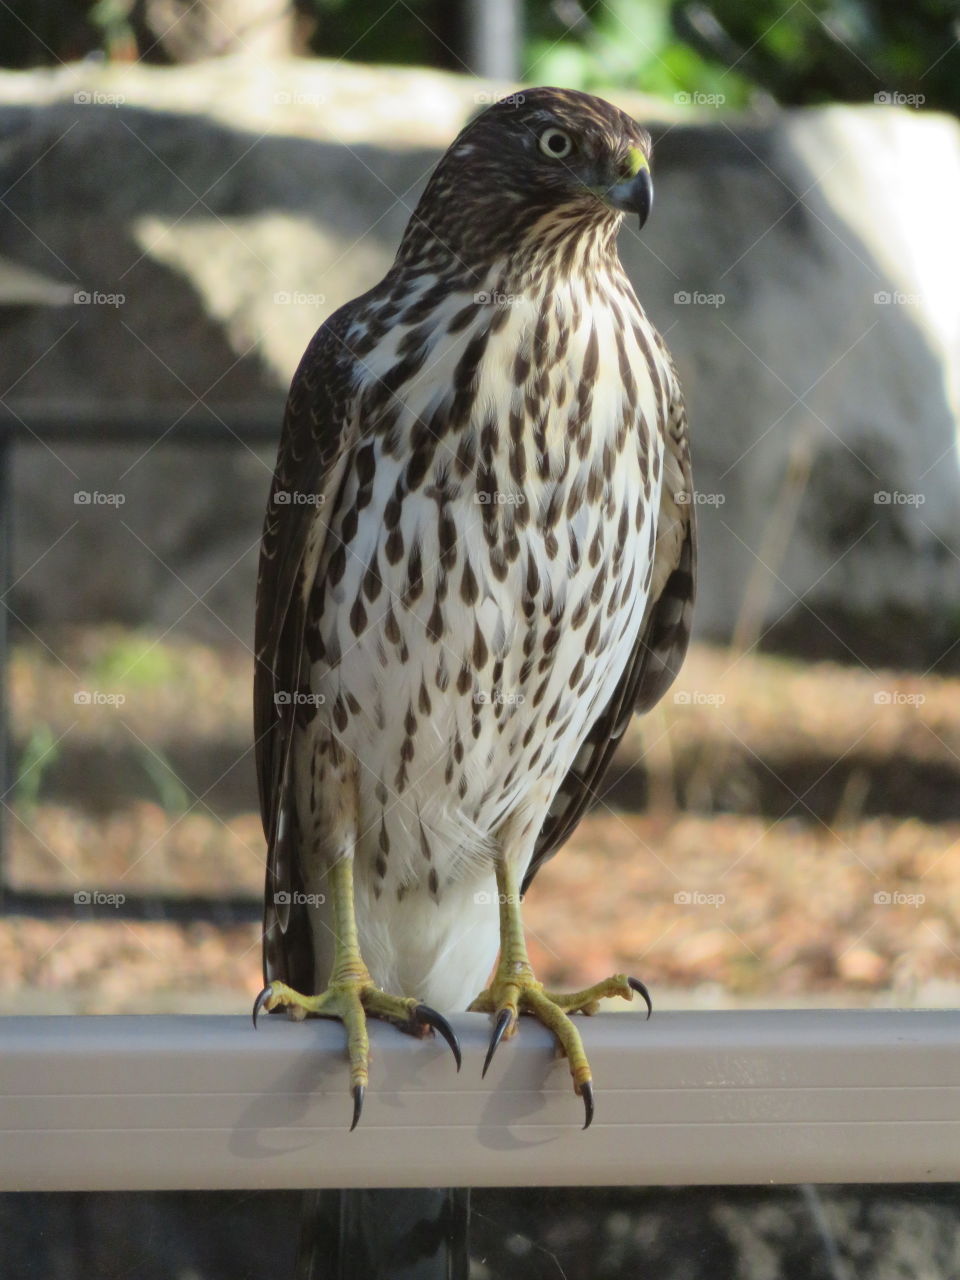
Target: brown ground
x,y
830,875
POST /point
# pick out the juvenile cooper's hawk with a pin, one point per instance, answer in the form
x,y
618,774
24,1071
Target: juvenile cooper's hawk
x,y
478,561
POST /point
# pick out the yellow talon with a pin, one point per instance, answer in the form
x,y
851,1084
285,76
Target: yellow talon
x,y
352,996
515,990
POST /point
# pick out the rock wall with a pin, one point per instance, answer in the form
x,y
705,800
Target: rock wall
x,y
175,236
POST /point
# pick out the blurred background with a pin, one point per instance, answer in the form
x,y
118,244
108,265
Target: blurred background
x,y
187,190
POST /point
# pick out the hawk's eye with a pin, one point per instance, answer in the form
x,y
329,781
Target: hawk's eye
x,y
555,143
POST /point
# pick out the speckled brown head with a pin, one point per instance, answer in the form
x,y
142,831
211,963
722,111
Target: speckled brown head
x,y
535,153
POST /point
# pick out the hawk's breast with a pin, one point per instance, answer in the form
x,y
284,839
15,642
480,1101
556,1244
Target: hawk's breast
x,y
487,566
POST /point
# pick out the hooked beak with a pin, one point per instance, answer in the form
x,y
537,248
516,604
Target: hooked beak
x,y
635,193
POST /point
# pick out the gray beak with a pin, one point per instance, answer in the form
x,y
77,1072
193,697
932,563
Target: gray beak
x,y
633,196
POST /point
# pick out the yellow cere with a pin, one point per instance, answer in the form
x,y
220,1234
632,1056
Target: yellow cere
x,y
636,161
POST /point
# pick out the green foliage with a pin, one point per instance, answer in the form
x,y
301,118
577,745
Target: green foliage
x,y
171,793
796,53
41,751
793,51
112,19
834,50
133,661
623,43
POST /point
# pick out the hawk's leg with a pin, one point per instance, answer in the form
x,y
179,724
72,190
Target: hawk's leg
x,y
515,990
352,996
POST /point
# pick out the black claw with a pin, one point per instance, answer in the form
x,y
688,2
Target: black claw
x,y
423,1013
639,987
503,1021
359,1093
586,1093
260,1001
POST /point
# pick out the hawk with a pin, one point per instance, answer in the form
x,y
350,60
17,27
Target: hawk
x,y
477,563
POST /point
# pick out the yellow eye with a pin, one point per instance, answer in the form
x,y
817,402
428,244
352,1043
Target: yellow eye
x,y
555,143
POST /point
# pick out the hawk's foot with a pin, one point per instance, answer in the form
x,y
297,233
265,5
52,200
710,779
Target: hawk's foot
x,y
514,992
353,1000
351,994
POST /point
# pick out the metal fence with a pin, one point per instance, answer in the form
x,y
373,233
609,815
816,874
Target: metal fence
x,y
194,425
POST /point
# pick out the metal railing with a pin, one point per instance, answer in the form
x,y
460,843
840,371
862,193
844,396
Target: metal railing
x,y
139,1103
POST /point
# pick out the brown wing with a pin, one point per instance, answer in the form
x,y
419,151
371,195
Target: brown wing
x,y
660,650
315,427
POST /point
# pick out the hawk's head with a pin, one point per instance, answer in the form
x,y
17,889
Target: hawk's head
x,y
538,159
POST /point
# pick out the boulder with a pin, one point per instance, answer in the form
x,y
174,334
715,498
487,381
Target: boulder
x,y
201,221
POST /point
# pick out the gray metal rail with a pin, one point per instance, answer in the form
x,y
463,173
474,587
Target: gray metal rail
x,y
138,1103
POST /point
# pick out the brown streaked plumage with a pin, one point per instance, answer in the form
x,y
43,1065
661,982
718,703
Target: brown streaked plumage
x,y
477,564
